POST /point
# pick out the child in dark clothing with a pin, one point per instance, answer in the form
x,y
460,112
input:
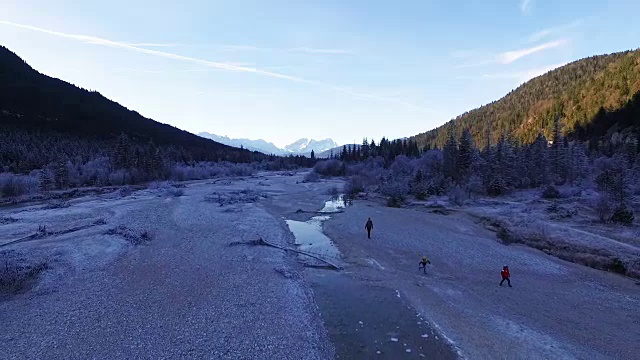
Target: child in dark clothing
x,y
423,264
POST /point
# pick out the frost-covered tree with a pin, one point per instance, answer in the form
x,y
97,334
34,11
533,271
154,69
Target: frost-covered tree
x,y
61,176
45,180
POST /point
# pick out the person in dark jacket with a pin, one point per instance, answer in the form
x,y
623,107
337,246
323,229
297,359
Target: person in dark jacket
x,y
505,275
369,226
423,264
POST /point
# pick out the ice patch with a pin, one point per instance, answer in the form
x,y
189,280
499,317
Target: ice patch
x,y
408,350
394,339
425,336
375,263
398,294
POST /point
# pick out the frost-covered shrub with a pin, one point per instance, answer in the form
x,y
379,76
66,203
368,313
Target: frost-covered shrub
x,y
312,176
402,167
355,185
330,167
617,266
496,187
457,196
396,191
119,177
15,185
133,236
550,192
19,271
604,208
475,185
622,215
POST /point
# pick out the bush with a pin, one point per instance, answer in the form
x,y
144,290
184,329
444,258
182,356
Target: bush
x,y
331,167
457,196
622,215
12,185
311,177
617,266
394,202
355,185
604,208
550,192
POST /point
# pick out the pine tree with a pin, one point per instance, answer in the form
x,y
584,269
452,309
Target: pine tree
x,y
451,158
465,155
45,181
61,176
558,152
313,155
122,153
538,173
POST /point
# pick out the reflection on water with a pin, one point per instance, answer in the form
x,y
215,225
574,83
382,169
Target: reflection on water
x,y
309,235
336,204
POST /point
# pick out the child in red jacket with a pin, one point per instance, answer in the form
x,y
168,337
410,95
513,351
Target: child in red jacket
x,y
505,275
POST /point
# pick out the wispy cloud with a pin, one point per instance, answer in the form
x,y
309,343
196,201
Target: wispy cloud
x,y
556,30
510,56
217,65
526,6
301,49
242,48
153,44
520,76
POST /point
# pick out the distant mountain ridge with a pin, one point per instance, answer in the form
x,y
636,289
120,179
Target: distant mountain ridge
x,y
302,146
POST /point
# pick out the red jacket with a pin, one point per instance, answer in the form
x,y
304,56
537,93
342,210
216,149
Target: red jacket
x,y
505,273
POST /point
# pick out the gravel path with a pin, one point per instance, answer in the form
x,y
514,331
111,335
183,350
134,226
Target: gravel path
x,y
186,294
555,309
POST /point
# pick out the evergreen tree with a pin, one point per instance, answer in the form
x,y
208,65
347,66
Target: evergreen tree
x,y
122,153
451,158
538,173
61,176
465,156
313,155
45,181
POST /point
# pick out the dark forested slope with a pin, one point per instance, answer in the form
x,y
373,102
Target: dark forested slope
x,y
37,110
579,92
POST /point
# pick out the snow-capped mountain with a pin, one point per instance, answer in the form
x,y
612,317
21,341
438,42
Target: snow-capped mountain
x,y
305,145
299,147
253,145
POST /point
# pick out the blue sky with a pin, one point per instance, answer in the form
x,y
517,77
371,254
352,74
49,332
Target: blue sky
x,y
282,70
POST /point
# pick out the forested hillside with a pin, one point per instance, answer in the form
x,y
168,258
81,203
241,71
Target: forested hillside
x,y
54,135
45,119
578,93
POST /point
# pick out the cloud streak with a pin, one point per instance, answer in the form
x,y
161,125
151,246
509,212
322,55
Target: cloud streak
x,y
525,6
520,76
153,44
216,65
510,56
544,33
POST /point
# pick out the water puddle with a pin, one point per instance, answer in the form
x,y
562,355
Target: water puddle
x,y
309,235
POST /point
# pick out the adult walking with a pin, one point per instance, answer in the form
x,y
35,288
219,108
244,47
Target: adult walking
x,y
369,226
